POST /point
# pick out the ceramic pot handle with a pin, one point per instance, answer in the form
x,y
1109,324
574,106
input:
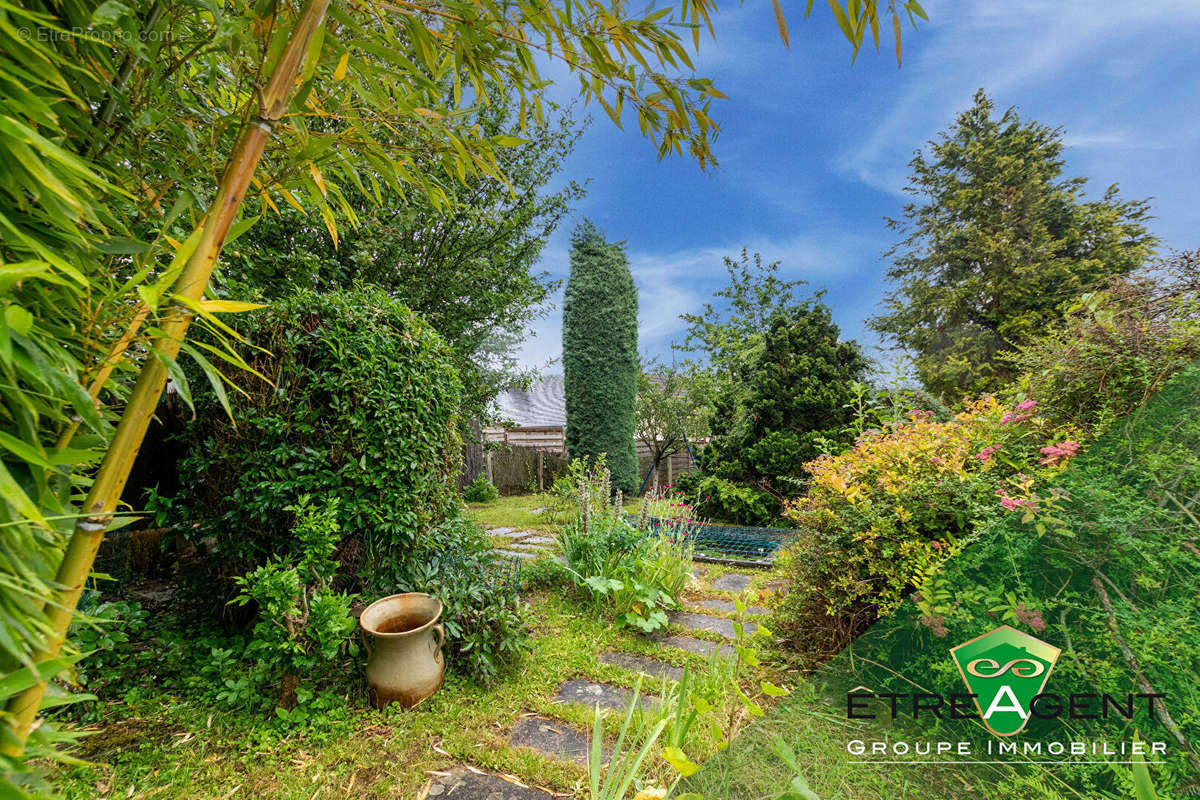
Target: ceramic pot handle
x,y
440,634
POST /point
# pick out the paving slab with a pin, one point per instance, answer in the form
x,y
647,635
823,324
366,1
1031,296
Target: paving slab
x,y
653,668
463,784
732,582
728,607
517,553
552,737
508,533
701,646
592,694
539,540
703,622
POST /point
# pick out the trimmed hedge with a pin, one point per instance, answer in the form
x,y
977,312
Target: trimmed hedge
x,y
600,358
361,406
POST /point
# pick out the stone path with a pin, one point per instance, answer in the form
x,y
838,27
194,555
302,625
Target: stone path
x,y
590,693
732,582
713,604
525,545
557,739
552,737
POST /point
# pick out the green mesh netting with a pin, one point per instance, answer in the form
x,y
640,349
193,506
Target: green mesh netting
x,y
736,544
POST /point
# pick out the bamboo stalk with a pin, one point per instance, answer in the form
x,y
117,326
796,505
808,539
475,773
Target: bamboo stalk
x,y
105,493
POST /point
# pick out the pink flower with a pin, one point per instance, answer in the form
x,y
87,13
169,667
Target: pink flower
x,y
1014,418
986,453
1025,405
1013,503
937,461
1058,453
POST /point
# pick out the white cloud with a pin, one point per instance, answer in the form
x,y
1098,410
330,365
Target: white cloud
x,y
1012,49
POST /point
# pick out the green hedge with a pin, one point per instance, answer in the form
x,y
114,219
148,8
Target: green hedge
x,y
361,406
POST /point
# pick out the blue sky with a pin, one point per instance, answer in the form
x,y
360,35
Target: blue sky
x,y
813,150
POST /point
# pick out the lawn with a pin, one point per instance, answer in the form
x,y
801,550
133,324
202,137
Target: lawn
x,y
515,511
159,743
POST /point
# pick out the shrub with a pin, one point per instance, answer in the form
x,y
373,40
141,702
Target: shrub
x,y
303,624
726,501
361,408
1106,568
879,517
600,358
1115,347
481,490
483,614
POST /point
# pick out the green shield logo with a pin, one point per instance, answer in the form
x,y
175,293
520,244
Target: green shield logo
x,y
1005,669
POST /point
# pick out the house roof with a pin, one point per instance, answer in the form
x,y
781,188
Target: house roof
x,y
543,406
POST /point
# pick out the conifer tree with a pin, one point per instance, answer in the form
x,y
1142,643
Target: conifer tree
x,y
600,358
995,241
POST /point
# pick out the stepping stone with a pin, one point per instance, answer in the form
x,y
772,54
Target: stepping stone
x,y
700,646
516,553
592,694
698,571
729,608
462,784
732,582
655,669
538,510
538,540
508,533
703,622
552,737
524,545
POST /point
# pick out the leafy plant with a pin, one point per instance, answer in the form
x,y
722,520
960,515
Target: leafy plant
x,y
480,490
483,614
636,572
303,624
362,408
615,779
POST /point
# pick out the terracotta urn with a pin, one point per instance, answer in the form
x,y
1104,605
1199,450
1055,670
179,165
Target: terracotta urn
x,y
404,660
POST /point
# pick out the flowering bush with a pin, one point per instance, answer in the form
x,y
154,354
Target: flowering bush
x,y
901,501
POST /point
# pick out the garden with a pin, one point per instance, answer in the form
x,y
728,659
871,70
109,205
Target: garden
x,y
265,272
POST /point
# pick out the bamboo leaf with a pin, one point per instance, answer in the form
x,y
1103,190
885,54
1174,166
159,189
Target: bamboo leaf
x,y
781,22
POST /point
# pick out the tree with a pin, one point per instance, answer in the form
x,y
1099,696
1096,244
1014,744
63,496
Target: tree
x,y
997,240
468,270
726,333
673,408
600,358
796,403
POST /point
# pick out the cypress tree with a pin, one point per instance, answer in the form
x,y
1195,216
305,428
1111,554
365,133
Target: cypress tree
x,y
600,358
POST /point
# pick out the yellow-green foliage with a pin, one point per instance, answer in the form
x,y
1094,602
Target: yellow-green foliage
x,y
901,500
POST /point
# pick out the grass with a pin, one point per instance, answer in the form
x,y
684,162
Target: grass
x,y
154,744
514,511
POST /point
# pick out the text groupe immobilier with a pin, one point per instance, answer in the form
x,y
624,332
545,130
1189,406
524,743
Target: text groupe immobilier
x,y
858,747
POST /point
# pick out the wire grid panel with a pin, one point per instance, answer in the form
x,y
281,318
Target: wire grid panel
x,y
736,543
